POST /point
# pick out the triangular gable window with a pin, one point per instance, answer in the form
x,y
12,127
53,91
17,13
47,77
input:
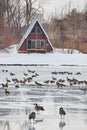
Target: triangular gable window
x,y
39,30
33,30
36,30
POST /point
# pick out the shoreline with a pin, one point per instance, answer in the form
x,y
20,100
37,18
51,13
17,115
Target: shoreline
x,y
40,65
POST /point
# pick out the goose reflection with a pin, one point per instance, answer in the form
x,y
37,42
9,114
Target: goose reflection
x,y
31,127
62,124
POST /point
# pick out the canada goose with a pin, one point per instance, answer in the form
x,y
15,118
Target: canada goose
x,y
38,84
33,71
16,86
62,112
78,73
38,108
6,70
32,115
60,84
54,78
25,74
12,74
5,85
8,80
47,81
85,82
52,81
29,79
36,74
30,71
2,70
15,80
7,92
84,89
54,72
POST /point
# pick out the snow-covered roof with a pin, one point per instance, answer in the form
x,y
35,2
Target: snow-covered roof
x,y
29,30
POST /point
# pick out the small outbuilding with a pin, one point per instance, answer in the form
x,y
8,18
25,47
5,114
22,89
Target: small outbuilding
x,y
35,39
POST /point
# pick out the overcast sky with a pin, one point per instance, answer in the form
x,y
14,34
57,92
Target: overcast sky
x,y
53,6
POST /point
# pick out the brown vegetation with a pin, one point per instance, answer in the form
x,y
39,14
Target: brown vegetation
x,y
6,37
70,31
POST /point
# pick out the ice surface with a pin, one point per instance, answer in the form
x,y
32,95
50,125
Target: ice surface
x,y
15,108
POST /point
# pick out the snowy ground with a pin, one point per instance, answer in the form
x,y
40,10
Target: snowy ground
x,y
14,109
56,58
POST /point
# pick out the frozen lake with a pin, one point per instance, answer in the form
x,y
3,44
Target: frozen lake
x,y
15,108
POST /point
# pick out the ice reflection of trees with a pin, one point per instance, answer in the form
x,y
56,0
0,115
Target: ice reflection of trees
x,y
85,121
1,125
27,110
24,126
6,126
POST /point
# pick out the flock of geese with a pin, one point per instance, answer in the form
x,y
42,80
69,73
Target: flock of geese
x,y
38,108
29,75
17,81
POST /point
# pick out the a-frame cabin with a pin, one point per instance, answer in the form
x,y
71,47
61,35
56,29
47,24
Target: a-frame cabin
x,y
35,39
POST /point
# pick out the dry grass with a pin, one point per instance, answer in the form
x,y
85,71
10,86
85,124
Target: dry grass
x,y
6,38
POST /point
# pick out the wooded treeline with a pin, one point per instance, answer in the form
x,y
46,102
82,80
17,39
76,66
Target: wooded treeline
x,y
70,31
67,31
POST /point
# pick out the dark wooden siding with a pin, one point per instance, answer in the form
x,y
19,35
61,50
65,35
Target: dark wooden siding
x,y
49,48
24,46
34,36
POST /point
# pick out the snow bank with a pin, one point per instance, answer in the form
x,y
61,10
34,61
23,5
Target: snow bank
x,y
10,56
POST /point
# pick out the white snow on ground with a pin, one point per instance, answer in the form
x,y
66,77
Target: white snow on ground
x,y
58,57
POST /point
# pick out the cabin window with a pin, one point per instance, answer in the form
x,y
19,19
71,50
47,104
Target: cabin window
x,y
31,44
40,44
33,30
38,30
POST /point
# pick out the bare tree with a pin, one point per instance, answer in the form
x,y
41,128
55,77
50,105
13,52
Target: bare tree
x,y
60,29
2,8
31,10
74,22
2,13
13,15
8,12
17,14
